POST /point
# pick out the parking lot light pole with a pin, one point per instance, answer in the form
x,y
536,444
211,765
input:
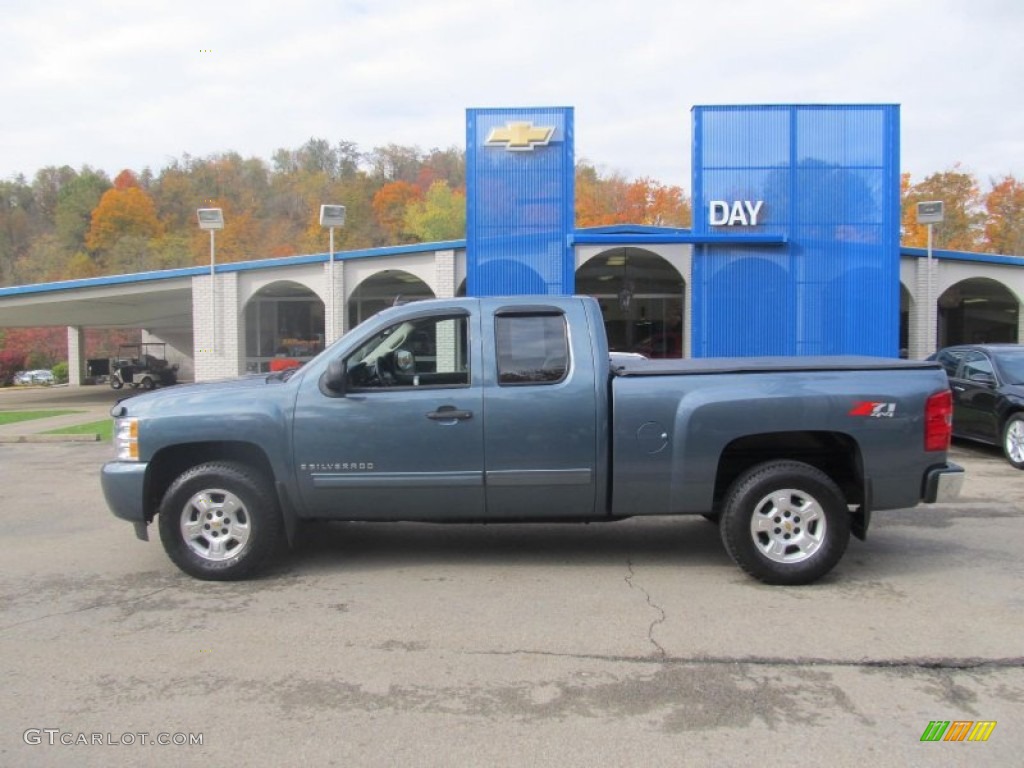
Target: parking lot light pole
x,y
930,213
212,219
331,216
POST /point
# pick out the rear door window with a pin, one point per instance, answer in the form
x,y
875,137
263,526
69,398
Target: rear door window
x,y
531,348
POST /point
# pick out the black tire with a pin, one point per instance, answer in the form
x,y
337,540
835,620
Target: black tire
x,y
794,538
115,382
147,383
242,527
1013,440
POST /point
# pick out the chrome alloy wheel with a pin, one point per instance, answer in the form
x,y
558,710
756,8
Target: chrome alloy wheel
x,y
215,525
788,525
1013,441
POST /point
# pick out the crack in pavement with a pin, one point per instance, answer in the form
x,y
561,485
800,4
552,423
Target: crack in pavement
x,y
661,612
954,663
83,609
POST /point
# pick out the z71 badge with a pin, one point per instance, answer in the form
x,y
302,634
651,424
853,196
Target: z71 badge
x,y
875,410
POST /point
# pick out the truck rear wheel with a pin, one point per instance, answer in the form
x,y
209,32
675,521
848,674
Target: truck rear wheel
x,y
785,522
219,522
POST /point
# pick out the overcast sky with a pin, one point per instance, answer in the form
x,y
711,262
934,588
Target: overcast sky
x,y
126,84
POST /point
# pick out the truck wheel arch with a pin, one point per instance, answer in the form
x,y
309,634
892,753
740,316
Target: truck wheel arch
x,y
171,462
836,454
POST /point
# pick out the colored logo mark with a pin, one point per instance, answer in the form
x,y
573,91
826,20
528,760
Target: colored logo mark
x,y
520,136
958,730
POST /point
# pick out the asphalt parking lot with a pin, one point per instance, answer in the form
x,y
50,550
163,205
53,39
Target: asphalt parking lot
x,y
636,643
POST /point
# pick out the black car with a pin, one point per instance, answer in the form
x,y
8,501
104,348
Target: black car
x,y
988,394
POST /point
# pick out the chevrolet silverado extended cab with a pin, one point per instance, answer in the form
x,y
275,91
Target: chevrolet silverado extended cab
x,y
513,410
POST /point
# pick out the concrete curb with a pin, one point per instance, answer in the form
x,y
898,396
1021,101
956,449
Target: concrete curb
x,y
93,438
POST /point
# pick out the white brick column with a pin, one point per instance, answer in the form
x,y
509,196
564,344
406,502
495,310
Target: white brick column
x,y
334,326
76,355
921,335
217,357
1020,323
444,264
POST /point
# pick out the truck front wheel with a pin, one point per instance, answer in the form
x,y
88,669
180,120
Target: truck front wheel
x,y
219,521
785,522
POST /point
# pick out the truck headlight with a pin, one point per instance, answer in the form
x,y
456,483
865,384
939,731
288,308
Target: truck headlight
x,y
126,439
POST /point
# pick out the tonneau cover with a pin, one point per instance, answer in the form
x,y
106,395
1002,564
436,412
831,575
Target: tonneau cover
x,y
630,365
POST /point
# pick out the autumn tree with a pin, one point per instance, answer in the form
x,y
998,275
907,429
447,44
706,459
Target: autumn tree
x,y
390,205
441,215
655,204
600,201
122,212
964,217
1004,228
605,200
395,163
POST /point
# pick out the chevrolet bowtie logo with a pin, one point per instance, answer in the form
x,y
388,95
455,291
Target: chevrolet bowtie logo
x,y
520,136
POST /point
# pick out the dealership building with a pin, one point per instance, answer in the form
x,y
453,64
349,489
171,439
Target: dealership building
x,y
794,250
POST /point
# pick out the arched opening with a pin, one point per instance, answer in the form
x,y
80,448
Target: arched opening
x,y
284,321
978,310
751,312
641,298
383,290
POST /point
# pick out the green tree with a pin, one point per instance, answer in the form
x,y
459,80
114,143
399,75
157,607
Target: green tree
x,y
17,205
441,215
47,186
75,203
46,260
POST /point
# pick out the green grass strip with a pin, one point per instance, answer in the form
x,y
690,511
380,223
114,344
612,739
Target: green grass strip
x,y
13,417
104,428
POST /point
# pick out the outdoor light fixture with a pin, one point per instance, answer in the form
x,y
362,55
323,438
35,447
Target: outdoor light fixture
x,y
212,219
331,216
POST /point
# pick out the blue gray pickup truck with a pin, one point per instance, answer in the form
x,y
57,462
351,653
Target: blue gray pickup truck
x,y
513,410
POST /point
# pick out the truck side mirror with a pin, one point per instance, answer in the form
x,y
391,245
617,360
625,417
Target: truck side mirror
x,y
334,379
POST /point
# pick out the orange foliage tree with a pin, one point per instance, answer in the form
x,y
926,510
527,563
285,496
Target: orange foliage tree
x,y
1004,229
390,204
964,218
120,212
602,201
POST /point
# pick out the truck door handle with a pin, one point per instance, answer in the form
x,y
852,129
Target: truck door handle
x,y
449,413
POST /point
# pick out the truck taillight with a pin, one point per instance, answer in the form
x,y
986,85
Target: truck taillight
x,y
938,421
